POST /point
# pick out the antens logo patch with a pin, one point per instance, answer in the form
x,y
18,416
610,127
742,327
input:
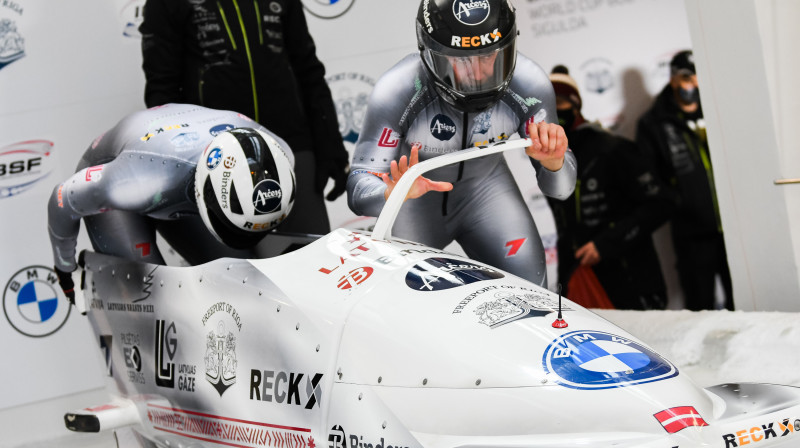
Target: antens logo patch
x,y
386,140
471,12
436,274
442,127
267,196
598,360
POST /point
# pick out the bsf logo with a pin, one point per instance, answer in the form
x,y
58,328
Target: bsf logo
x,y
22,165
31,302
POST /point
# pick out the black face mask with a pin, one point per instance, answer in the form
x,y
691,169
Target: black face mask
x,y
566,118
689,96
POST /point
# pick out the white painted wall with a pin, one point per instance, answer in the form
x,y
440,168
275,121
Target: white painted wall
x,y
744,124
780,38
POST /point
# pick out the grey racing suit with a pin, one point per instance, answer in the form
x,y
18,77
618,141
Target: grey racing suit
x,y
138,178
485,212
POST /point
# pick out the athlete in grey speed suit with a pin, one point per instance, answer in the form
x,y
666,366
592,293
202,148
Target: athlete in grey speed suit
x,y
139,177
485,211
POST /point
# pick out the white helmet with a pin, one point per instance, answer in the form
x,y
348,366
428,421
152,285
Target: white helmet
x,y
244,185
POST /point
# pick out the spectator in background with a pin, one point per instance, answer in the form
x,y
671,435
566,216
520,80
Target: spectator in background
x,y
673,134
256,58
607,223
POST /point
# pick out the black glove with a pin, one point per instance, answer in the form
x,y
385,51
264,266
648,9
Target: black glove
x,y
66,283
339,183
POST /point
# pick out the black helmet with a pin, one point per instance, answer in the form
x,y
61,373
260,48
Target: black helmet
x,y
469,49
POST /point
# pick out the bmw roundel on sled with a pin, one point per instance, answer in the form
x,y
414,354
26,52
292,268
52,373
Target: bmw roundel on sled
x,y
359,340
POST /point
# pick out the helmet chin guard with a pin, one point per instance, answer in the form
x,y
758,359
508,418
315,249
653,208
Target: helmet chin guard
x,y
244,186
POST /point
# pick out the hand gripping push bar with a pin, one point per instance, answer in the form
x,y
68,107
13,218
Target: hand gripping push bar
x,y
383,227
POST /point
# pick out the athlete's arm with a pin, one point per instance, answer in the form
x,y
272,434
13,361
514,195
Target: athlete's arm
x,y
93,190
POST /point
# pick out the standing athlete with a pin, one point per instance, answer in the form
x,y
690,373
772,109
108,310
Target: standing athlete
x,y
467,87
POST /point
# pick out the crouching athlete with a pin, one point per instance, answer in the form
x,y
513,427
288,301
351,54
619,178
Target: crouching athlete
x,y
211,182
467,87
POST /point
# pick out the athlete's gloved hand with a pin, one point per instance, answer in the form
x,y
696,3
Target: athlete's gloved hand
x,y
339,177
66,283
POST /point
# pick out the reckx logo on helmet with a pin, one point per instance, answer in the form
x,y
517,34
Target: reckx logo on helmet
x,y
476,41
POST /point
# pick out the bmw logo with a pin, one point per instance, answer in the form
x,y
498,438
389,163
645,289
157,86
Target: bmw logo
x,y
599,360
327,9
471,12
214,158
32,302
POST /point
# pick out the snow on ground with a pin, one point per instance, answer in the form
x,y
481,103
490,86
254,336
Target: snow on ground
x,y
715,347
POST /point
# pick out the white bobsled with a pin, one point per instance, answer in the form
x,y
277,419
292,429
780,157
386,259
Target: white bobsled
x,y
359,340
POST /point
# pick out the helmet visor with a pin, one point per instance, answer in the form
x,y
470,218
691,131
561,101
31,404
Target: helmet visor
x,y
476,73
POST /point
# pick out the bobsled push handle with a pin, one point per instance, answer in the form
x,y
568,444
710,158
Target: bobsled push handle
x,y
383,227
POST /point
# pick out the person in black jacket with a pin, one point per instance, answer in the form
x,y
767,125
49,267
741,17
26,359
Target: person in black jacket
x,y
256,58
607,223
673,134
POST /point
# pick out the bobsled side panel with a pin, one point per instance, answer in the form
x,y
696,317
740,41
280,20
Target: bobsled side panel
x,y
212,352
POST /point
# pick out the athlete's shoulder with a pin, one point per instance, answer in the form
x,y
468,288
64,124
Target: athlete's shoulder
x,y
402,81
529,76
